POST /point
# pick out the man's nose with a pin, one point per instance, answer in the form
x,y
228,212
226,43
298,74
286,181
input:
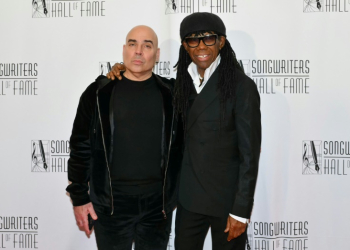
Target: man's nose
x,y
201,45
139,50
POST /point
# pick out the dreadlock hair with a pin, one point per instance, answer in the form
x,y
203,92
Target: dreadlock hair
x,y
226,84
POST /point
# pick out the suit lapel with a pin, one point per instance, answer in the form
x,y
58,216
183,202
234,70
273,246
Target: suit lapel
x,y
204,99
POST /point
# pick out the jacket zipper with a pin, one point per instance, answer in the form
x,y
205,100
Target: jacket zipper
x,y
104,147
167,164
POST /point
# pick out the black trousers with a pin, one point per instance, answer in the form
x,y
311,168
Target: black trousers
x,y
192,228
136,218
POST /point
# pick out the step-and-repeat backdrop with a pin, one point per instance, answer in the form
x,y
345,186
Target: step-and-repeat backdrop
x,y
297,52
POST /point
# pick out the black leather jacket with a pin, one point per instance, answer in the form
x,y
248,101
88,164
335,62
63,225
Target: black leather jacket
x,y
91,146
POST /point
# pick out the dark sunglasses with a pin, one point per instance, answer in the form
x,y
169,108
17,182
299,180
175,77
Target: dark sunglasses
x,y
208,40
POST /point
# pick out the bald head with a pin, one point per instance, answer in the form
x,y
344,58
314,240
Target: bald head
x,y
143,31
140,53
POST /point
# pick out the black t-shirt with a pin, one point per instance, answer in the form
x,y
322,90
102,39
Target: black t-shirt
x,y
138,121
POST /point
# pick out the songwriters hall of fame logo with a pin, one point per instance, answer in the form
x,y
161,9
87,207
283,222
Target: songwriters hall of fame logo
x,y
19,79
312,157
250,237
317,6
19,232
278,235
271,76
313,6
192,6
171,6
40,156
49,156
326,158
40,8
67,8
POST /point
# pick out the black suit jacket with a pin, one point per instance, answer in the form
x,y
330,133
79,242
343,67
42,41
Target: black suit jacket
x,y
220,164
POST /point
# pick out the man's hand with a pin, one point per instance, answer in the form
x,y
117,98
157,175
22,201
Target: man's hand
x,y
115,71
234,228
81,216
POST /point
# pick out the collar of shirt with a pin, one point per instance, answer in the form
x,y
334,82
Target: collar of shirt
x,y
192,70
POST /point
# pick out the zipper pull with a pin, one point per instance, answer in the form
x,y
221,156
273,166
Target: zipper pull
x,y
164,214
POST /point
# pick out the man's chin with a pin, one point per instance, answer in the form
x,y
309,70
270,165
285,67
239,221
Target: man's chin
x,y
202,65
137,72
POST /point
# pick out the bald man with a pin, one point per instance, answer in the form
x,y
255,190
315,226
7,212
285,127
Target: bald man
x,y
124,158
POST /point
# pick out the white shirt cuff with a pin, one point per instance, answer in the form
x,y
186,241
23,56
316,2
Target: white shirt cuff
x,y
243,220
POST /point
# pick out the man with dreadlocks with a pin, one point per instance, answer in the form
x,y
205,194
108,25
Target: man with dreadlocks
x,y
220,110
220,107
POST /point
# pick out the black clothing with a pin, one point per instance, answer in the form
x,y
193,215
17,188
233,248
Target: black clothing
x,y
136,217
138,123
91,145
192,228
136,189
221,158
201,21
220,164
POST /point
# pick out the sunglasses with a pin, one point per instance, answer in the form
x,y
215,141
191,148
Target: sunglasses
x,y
208,40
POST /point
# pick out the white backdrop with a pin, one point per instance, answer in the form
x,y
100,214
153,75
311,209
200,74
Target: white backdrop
x,y
297,54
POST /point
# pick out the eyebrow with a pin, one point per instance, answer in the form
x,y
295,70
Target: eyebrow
x,y
134,41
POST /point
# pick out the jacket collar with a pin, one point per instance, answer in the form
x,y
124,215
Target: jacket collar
x,y
105,94
103,81
204,98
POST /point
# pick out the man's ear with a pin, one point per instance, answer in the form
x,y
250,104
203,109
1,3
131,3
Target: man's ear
x,y
157,55
185,46
222,41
